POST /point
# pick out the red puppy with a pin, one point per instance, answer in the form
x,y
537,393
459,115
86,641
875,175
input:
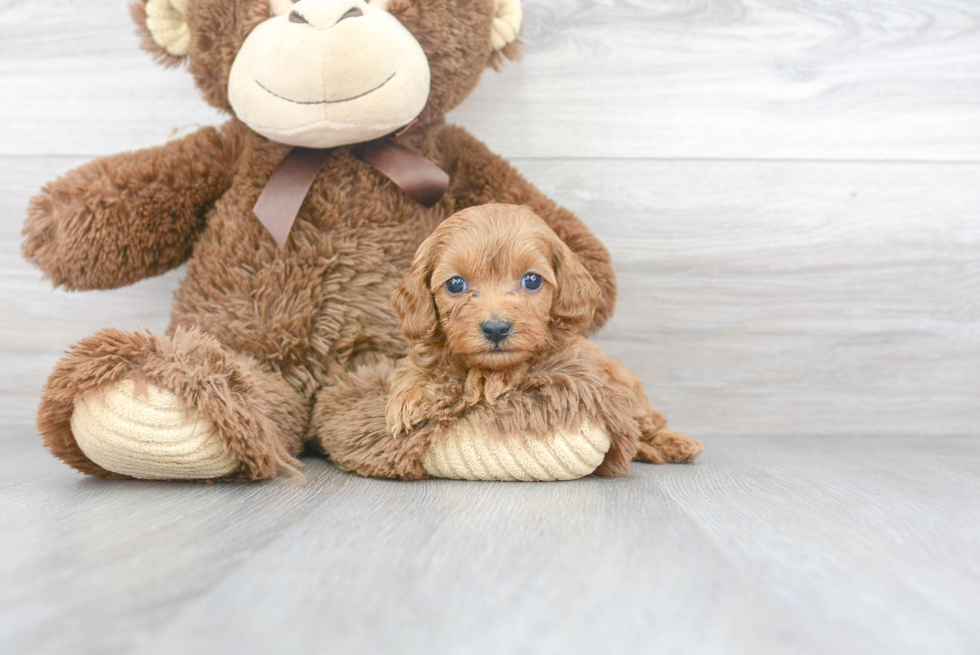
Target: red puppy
x,y
497,306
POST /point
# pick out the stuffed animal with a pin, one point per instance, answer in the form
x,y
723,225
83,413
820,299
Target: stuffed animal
x,y
500,383
296,219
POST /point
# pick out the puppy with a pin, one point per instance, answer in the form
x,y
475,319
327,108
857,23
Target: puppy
x,y
497,306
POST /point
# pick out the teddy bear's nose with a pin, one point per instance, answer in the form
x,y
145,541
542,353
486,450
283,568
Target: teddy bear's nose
x,y
324,14
495,330
353,12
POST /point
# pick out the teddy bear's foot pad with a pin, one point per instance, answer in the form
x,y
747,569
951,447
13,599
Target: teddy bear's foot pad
x,y
147,433
465,455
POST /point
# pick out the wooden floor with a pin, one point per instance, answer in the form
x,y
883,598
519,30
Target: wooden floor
x,y
767,545
791,193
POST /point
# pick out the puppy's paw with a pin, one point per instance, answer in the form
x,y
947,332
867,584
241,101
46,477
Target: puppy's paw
x,y
668,446
404,413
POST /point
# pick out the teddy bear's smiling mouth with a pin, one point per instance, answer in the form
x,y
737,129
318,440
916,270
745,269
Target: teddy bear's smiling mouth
x,y
324,102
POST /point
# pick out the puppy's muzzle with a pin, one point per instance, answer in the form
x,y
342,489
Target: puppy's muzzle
x,y
495,330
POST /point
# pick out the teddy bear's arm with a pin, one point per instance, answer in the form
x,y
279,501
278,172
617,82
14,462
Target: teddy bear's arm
x,y
478,177
122,218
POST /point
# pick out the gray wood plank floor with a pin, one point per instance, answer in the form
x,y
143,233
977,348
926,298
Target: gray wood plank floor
x,y
767,545
790,192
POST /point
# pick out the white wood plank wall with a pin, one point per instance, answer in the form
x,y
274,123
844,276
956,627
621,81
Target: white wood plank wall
x,y
790,188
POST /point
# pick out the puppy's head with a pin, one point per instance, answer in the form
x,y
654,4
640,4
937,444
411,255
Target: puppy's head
x,y
494,284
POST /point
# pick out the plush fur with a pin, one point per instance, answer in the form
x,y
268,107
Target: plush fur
x,y
543,377
298,316
254,411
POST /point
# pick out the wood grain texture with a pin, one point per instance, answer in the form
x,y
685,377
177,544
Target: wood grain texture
x,y
791,79
859,545
789,189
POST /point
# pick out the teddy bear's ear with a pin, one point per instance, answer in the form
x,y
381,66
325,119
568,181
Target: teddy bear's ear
x,y
164,27
507,19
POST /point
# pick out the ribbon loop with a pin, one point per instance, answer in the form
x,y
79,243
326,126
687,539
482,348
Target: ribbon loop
x,y
284,193
422,180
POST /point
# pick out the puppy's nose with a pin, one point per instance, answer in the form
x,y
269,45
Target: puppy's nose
x,y
495,330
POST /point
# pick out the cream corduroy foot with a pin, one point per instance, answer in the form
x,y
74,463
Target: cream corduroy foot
x,y
465,455
149,435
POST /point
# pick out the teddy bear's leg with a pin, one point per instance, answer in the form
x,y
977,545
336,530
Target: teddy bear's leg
x,y
349,423
465,454
139,405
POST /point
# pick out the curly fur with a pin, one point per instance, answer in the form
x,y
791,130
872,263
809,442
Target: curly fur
x,y
303,314
544,377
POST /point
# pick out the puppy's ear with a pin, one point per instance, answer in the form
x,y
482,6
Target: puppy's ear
x,y
578,294
413,301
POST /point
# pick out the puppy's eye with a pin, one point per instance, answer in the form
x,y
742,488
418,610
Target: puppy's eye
x,y
455,286
531,282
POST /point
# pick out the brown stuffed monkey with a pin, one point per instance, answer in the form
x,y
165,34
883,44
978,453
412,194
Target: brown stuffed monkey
x,y
258,327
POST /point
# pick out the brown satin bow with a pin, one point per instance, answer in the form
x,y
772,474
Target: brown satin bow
x,y
284,193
